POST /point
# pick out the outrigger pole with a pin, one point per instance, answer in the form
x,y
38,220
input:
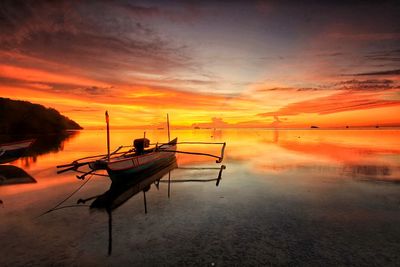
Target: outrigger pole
x,y
76,164
219,158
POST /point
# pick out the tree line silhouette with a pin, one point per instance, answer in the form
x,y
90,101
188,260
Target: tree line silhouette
x,y
22,117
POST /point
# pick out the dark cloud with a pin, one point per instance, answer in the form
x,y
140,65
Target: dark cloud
x,y
373,73
140,11
393,55
332,54
288,89
372,84
104,38
95,90
58,87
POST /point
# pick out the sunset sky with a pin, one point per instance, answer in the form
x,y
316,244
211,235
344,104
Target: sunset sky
x,y
210,64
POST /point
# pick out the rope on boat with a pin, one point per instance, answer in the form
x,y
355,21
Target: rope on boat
x,y
64,207
56,207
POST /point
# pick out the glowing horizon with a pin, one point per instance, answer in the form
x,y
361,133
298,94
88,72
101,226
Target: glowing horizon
x,y
274,65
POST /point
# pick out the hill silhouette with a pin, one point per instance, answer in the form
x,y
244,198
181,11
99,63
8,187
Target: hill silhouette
x,y
23,117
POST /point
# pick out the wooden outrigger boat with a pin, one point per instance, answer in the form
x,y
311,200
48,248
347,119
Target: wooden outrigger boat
x,y
137,159
12,151
132,171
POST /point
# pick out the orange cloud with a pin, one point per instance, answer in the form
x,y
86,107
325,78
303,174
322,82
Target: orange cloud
x,y
142,61
338,102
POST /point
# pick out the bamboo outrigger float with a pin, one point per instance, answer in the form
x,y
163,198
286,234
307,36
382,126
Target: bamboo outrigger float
x,y
126,162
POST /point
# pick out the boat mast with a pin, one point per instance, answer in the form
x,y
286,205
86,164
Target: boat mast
x,y
169,137
108,136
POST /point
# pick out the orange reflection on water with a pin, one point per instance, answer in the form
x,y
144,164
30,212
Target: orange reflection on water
x,y
372,154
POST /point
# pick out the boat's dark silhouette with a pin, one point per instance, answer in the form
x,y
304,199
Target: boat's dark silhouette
x,y
14,150
10,175
43,144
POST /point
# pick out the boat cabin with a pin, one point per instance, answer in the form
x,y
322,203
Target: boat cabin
x,y
140,144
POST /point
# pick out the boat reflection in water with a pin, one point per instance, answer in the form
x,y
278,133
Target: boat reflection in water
x,y
123,189
10,175
29,148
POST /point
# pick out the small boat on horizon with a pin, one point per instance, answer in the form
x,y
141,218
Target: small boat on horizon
x,y
13,151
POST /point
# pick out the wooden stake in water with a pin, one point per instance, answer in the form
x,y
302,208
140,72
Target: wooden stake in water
x,y
169,137
108,136
169,184
109,232
145,202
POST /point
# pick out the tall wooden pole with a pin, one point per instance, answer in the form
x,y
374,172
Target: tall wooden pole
x,y
169,137
108,136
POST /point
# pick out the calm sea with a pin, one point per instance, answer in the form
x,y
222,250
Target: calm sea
x,y
297,197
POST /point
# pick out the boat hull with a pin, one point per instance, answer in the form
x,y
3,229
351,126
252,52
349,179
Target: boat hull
x,y
12,151
133,167
132,173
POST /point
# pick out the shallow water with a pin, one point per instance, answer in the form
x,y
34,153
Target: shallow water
x,y
321,197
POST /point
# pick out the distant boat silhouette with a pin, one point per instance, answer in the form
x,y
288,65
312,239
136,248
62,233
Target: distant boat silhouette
x,y
314,127
12,151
